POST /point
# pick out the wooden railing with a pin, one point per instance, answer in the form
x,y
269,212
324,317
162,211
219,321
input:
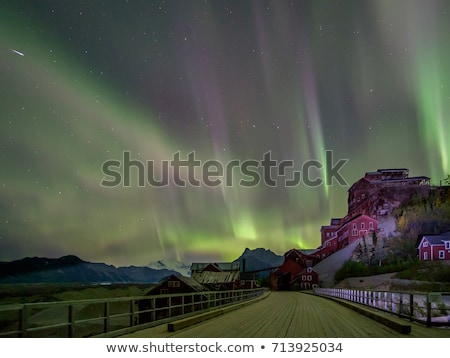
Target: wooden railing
x,y
432,308
110,317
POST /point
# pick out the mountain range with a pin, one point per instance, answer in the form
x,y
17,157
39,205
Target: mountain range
x,y
259,260
72,269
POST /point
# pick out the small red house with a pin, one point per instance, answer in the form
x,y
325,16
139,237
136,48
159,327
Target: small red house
x,y
295,261
174,284
434,247
307,279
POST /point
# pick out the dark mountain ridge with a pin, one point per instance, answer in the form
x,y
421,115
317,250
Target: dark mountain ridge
x,y
72,269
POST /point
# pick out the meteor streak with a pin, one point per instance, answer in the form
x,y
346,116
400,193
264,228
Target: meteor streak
x,y
17,52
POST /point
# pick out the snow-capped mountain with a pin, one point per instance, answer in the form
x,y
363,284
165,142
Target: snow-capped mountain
x,y
172,265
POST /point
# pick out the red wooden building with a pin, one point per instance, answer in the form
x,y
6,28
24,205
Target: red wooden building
x,y
342,232
307,279
220,276
434,247
174,284
295,261
377,193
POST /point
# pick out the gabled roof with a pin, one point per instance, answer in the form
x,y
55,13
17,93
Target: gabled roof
x,y
435,239
192,283
222,266
393,170
196,286
211,277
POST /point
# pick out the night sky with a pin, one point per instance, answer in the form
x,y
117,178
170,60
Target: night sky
x,y
82,82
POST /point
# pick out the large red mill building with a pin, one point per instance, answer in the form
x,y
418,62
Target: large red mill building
x,y
379,192
370,198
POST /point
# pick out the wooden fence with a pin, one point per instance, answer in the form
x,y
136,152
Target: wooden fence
x,y
110,317
432,308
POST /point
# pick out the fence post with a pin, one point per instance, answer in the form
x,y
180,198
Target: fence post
x,y
411,306
71,320
106,317
153,312
23,321
132,302
428,313
400,305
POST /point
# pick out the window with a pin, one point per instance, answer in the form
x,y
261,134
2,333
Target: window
x,y
371,225
425,244
363,226
309,277
303,277
174,283
328,234
447,245
354,226
163,291
309,269
355,232
441,254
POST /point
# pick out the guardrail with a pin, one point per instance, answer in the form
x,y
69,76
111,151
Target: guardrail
x,y
432,308
110,317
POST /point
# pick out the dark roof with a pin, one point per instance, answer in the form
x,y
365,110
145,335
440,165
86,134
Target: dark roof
x,y
435,239
191,282
419,177
196,286
393,170
223,266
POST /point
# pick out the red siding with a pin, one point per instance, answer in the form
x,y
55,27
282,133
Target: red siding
x,y
432,251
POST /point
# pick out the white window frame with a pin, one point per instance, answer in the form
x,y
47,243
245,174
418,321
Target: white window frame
x,y
447,245
441,254
363,226
370,224
425,243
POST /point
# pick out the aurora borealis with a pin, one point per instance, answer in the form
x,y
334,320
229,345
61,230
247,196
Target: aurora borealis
x,y
367,80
